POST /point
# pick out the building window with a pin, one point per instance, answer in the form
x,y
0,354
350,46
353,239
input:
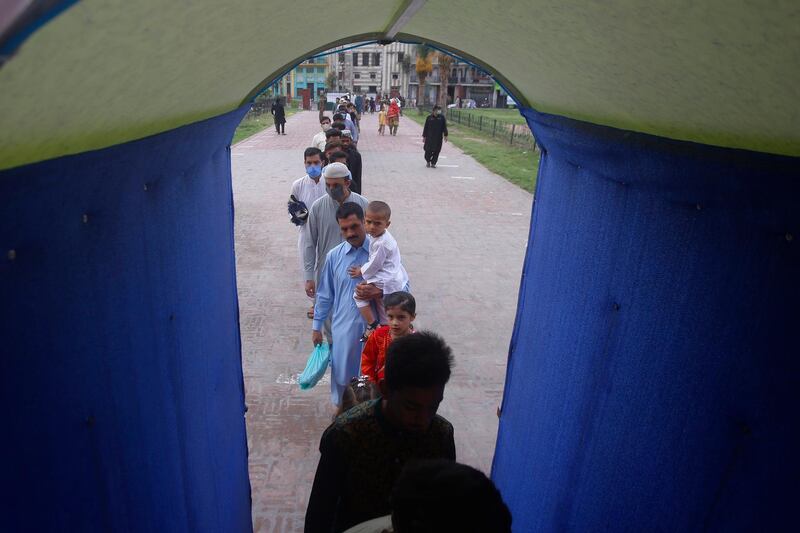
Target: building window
x,y
372,75
357,75
373,89
341,76
355,59
365,59
394,76
400,56
356,88
341,57
376,59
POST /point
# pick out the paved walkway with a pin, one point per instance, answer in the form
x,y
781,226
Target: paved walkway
x,y
462,231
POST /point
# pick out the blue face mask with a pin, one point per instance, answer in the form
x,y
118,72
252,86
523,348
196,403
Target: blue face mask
x,y
313,171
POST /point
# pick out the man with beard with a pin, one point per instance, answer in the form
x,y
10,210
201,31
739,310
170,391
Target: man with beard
x,y
322,232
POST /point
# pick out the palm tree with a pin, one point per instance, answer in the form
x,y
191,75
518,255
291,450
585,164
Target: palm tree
x,y
445,62
423,66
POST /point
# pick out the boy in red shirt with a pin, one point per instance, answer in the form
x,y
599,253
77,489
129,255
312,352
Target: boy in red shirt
x,y
401,310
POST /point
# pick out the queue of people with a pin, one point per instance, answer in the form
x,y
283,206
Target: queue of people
x,y
387,378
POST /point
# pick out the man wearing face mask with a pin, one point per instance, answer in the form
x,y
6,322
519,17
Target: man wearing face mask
x,y
307,190
322,232
432,134
319,139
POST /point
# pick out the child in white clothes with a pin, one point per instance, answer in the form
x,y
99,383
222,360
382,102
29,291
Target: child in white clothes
x,y
383,269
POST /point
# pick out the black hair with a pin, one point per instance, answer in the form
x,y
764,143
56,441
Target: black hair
x,y
324,118
333,132
333,144
437,107
380,209
402,299
421,360
312,151
442,495
338,155
337,117
349,208
339,125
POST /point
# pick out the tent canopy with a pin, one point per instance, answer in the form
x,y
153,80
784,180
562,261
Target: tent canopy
x,y
105,72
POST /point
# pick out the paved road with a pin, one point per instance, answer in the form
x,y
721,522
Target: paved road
x,y
462,231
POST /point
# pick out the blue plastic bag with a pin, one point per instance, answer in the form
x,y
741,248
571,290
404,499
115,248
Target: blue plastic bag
x,y
315,367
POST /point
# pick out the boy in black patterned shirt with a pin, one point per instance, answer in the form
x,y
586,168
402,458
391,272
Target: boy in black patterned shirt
x,y
365,449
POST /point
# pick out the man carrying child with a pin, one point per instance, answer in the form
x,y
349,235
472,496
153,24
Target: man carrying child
x,y
384,268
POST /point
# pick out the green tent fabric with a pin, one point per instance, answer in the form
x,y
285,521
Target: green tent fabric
x,y
105,72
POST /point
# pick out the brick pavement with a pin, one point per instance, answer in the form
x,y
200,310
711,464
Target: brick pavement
x,y
462,231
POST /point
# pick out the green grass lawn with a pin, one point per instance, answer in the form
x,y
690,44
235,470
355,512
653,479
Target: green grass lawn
x,y
511,116
518,165
250,125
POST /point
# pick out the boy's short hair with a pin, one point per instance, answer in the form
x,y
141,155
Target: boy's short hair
x,y
421,360
338,155
338,117
333,132
349,208
325,118
381,209
333,144
311,151
402,299
442,495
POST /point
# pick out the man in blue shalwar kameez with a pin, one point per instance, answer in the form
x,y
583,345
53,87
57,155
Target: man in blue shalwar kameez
x,y
335,299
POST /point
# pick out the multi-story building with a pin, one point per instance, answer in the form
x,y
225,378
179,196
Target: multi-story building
x,y
311,74
463,80
373,69
390,70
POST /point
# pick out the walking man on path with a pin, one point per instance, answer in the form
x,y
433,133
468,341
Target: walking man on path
x,y
322,232
280,116
432,134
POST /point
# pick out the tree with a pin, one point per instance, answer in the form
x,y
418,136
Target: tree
x,y
445,62
423,66
330,81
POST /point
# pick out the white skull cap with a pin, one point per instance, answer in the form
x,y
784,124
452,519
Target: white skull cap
x,y
336,170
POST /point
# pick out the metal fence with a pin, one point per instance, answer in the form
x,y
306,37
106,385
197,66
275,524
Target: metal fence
x,y
507,132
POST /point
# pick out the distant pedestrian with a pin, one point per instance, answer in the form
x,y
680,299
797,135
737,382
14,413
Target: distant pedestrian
x,y
279,113
382,120
432,134
393,116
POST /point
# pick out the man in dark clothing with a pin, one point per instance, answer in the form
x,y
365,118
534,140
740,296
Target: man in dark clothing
x,y
365,449
353,161
432,134
280,116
